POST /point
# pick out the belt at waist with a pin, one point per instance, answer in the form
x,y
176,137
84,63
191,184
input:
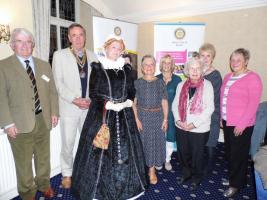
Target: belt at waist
x,y
114,100
151,109
118,100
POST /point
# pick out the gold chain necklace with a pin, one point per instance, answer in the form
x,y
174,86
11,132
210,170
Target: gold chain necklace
x,y
80,61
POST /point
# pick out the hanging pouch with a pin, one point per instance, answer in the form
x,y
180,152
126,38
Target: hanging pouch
x,y
102,137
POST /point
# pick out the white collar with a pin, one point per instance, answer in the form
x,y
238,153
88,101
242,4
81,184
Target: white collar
x,y
22,61
110,64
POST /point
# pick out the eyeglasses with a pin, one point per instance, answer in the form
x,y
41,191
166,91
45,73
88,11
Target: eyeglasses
x,y
20,42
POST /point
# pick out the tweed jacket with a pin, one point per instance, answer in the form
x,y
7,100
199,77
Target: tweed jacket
x,y
17,94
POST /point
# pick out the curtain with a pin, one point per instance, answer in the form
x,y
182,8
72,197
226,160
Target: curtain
x,y
41,25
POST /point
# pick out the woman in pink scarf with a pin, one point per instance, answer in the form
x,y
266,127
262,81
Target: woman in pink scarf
x,y
192,108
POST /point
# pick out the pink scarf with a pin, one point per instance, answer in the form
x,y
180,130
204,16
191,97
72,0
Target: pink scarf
x,y
197,103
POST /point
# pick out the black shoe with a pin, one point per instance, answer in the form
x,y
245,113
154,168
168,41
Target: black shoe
x,y
183,180
230,192
194,186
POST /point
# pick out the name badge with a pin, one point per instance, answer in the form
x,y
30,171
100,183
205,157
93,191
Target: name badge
x,y
44,77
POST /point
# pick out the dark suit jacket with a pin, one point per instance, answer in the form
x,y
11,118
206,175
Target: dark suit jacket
x,y
17,95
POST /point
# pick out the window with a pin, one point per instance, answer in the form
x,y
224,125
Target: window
x,y
53,8
64,37
67,10
53,41
63,14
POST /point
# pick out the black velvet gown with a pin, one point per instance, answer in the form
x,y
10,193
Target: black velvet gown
x,y
117,173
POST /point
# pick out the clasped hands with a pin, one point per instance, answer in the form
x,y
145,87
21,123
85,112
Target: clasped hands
x,y
185,126
82,103
118,106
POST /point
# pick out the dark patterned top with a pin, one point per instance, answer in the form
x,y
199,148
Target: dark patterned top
x,y
149,95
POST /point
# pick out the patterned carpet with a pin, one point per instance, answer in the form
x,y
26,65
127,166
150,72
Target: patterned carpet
x,y
167,188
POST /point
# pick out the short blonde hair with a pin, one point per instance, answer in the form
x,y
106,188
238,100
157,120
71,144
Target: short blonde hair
x,y
111,40
208,47
163,59
148,56
191,62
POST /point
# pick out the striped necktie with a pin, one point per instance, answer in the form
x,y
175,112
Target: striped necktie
x,y
31,76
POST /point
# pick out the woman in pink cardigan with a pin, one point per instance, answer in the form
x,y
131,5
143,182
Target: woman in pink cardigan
x,y
240,96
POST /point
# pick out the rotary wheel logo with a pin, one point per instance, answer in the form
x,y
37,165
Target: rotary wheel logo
x,y
179,33
117,31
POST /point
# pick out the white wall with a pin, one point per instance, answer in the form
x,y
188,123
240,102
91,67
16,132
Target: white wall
x,y
20,14
227,31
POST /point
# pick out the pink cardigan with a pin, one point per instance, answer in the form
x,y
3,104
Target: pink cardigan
x,y
242,100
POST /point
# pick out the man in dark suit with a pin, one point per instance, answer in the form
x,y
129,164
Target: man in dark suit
x,y
28,110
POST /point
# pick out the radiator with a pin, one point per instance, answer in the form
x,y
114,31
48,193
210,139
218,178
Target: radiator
x,y
8,183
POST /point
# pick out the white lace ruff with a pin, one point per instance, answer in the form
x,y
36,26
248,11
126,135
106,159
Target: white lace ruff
x,y
110,64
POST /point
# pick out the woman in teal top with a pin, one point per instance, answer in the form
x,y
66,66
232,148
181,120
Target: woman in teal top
x,y
167,67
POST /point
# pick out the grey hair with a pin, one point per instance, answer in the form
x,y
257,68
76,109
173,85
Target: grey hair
x,y
244,52
148,56
191,62
22,31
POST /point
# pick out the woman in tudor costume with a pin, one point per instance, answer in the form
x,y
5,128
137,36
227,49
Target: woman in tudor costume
x,y
118,172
